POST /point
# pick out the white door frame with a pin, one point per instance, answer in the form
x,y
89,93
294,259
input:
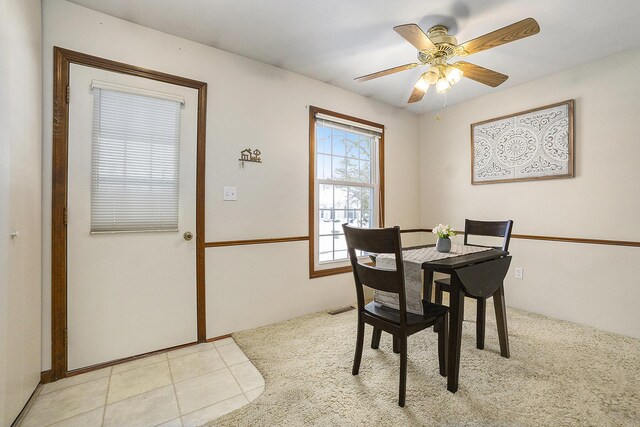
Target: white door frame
x,y
63,58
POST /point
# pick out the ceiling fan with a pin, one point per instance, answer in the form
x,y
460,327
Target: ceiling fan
x,y
436,47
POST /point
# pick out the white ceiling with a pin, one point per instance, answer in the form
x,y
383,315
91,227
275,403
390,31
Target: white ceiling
x,y
335,41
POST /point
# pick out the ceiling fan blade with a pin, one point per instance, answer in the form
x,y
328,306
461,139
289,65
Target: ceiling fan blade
x,y
417,93
386,72
481,74
416,96
414,35
519,30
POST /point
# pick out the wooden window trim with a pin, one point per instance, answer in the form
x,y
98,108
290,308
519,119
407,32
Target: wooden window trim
x,y
313,273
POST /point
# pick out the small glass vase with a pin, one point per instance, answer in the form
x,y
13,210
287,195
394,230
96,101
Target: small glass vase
x,y
443,244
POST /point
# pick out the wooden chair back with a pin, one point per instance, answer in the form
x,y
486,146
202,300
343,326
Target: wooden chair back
x,y
378,241
489,228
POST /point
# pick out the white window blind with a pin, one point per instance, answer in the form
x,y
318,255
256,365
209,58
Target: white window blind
x,y
135,161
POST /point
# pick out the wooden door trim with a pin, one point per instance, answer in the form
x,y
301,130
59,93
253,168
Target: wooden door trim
x,y
62,60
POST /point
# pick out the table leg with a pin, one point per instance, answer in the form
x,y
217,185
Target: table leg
x,y
501,320
427,283
456,315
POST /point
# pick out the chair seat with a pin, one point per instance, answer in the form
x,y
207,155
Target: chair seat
x,y
431,313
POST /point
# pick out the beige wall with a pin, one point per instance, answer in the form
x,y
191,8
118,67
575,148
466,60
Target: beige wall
x,y
259,106
20,143
595,285
255,105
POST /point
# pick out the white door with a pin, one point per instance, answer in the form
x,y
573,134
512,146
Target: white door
x,y
128,293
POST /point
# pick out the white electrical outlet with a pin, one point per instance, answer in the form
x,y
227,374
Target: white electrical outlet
x,y
229,193
519,272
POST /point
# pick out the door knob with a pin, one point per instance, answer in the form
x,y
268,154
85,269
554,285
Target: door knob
x,y
188,235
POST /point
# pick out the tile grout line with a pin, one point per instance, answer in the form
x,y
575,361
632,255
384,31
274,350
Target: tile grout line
x,y
106,398
235,364
137,367
175,392
255,388
224,345
188,354
73,385
138,394
217,403
85,412
234,377
208,372
68,418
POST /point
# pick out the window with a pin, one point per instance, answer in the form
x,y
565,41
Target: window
x,y
135,160
346,176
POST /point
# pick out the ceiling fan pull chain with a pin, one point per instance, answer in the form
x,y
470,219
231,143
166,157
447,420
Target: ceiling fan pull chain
x,y
444,107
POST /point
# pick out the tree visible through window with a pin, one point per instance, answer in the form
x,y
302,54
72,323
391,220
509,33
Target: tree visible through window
x,y
346,182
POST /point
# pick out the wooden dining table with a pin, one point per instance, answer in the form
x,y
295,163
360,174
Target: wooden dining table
x,y
477,271
472,274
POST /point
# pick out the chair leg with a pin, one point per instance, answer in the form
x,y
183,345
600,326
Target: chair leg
x,y
359,343
443,343
501,320
403,370
427,284
375,337
396,344
438,299
480,322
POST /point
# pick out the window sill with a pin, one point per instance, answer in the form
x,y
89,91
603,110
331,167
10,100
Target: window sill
x,y
314,274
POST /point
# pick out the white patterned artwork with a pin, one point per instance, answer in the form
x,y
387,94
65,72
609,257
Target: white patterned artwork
x,y
534,144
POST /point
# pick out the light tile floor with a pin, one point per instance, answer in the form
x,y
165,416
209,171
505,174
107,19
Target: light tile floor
x,y
184,387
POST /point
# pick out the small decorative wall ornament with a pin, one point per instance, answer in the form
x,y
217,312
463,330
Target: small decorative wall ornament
x,y
247,155
530,145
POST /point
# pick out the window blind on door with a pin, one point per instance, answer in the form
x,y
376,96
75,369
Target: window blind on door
x,y
135,162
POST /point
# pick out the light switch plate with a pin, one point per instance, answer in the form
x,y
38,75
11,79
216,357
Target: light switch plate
x,y
229,193
519,272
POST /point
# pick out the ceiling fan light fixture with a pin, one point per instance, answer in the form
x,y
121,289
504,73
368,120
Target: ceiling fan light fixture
x,y
432,75
422,84
453,75
443,85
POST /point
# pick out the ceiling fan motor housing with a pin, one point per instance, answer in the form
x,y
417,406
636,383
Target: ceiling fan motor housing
x,y
446,46
438,34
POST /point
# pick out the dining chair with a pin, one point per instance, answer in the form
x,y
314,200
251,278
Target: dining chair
x,y
398,323
478,228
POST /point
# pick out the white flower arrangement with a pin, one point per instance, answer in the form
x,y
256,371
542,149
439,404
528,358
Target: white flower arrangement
x,y
443,231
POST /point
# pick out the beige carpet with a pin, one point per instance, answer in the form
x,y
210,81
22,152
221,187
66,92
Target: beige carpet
x,y
559,374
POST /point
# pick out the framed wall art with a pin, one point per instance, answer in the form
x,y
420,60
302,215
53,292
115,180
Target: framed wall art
x,y
530,145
